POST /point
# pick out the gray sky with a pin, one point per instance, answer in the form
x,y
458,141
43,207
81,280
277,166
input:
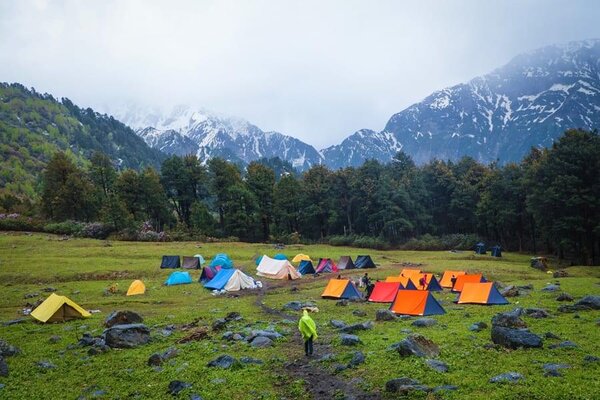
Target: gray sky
x,y
316,70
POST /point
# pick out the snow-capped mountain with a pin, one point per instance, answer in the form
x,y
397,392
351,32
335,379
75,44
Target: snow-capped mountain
x,y
186,130
528,102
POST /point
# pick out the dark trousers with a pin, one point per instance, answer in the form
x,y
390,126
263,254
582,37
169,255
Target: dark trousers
x,y
308,346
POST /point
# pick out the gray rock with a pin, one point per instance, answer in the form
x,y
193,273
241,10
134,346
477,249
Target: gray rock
x,y
437,365
339,368
385,315
444,388
529,286
349,340
3,367
261,341
590,358
515,338
359,313
551,288
564,297
338,324
363,326
175,387
510,319
342,303
266,333
237,337
297,305
123,318
554,369
591,302
250,360
508,377
550,335
155,360
8,350
424,322
31,295
15,321
567,344
54,339
536,313
227,335
45,365
326,357
510,291
49,289
224,361
195,396
561,273
404,386
219,324
233,317
417,345
357,358
126,336
478,326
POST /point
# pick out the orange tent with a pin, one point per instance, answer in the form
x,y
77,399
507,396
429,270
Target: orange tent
x,y
416,302
341,289
409,272
431,282
481,293
467,278
403,280
446,281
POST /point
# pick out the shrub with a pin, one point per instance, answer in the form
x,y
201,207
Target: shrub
x,y
95,230
342,240
371,243
17,222
64,228
457,241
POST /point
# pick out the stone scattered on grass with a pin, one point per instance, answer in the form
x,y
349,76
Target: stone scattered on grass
x,y
49,289
385,315
342,303
564,297
424,322
357,358
551,287
54,339
3,367
550,335
126,336
8,350
404,386
561,273
567,344
508,377
349,340
175,387
536,313
592,302
590,358
437,365
219,324
362,326
417,345
250,360
510,291
553,370
15,321
444,388
510,319
123,318
298,305
338,324
45,365
326,357
478,326
224,361
515,338
359,313
261,341
157,359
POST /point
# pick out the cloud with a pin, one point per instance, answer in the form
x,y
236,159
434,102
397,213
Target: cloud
x,y
317,70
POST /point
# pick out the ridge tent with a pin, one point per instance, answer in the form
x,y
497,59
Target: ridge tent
x,y
300,257
306,267
467,278
416,302
58,309
257,261
364,262
480,248
326,265
431,282
496,251
480,293
200,259
341,289
223,260
178,278
279,256
346,263
446,281
276,269
231,280
208,273
170,262
404,281
191,263
409,272
384,292
136,287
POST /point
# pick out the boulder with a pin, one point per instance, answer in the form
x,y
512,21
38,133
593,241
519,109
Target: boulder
x,y
385,315
564,297
3,367
561,273
359,313
224,361
551,288
349,340
417,345
424,322
219,324
8,350
126,336
437,365
155,360
510,291
510,319
250,360
508,377
404,386
233,316
298,305
261,341
567,344
357,358
515,338
175,387
271,334
122,318
554,369
478,326
227,335
338,324
342,303
363,326
536,313
591,302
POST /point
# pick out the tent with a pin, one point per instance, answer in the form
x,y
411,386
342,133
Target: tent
x,y
257,261
384,292
346,263
409,272
364,262
170,262
58,309
231,280
223,260
467,278
446,281
306,267
431,282
300,257
341,289
403,280
416,302
178,278
200,259
208,273
136,287
280,256
276,269
191,263
496,251
480,293
480,248
326,265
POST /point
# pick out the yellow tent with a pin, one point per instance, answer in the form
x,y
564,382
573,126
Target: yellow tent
x,y
301,257
136,287
58,309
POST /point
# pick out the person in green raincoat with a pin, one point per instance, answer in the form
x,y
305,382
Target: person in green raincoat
x,y
308,329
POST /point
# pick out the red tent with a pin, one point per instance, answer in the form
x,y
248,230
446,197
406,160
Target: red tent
x,y
385,292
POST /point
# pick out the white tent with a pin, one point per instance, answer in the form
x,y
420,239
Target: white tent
x,y
239,281
276,269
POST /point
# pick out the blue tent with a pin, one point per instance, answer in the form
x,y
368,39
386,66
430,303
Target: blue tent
x,y
258,259
220,280
496,251
178,278
480,248
306,267
223,260
170,262
280,256
364,262
409,286
351,292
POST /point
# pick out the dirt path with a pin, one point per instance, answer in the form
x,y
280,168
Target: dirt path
x,y
319,382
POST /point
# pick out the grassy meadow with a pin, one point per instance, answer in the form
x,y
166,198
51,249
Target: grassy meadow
x,y
82,269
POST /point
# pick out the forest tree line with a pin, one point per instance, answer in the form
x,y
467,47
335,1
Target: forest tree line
x,y
549,202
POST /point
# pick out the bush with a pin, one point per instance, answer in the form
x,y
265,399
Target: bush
x,y
457,241
368,242
95,230
18,222
64,228
342,240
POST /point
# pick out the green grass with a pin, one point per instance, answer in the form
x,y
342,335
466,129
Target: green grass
x,y
30,263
